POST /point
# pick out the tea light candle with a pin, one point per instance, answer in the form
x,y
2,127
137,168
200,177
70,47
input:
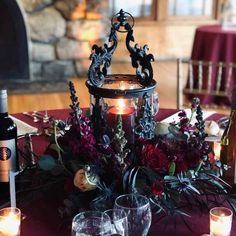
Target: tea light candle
x,y
220,221
10,219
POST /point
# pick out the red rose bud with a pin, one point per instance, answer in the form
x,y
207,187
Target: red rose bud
x,y
157,188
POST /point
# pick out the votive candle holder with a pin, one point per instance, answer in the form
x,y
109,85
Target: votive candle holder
x,y
10,221
220,221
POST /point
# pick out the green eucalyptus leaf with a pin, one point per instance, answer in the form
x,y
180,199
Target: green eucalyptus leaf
x,y
170,178
217,184
193,189
172,168
219,179
47,162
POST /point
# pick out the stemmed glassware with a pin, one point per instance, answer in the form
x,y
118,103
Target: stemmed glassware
x,y
119,222
138,212
91,223
96,223
131,216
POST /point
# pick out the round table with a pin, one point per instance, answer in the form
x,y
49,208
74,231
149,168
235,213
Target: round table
x,y
215,44
40,208
212,43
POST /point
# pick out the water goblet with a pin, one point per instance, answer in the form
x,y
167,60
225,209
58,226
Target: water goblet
x,y
137,208
119,222
91,223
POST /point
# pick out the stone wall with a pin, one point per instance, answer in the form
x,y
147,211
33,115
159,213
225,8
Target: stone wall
x,y
61,34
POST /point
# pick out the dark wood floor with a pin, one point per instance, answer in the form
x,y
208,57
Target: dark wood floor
x,y
164,74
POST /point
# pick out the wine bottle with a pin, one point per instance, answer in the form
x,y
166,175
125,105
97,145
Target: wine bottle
x,y
228,145
8,146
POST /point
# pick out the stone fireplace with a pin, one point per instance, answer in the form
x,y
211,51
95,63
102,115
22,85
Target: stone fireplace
x,y
45,42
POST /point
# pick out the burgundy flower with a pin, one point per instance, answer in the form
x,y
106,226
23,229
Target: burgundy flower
x,y
182,113
192,158
157,188
181,166
211,157
155,158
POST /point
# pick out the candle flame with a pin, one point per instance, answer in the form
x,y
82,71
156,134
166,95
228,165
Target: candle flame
x,y
121,105
122,85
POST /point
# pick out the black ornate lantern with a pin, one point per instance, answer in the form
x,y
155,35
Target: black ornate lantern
x,y
130,96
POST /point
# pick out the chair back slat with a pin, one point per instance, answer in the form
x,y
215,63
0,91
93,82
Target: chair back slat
x,y
204,78
219,77
191,78
229,77
209,76
179,83
200,75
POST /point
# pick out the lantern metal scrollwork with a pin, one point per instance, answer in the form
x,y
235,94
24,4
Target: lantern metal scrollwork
x,y
136,91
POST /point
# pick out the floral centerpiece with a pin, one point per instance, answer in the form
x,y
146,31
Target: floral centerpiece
x,y
175,168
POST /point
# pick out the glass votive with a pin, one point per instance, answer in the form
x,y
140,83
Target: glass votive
x,y
10,220
220,221
91,223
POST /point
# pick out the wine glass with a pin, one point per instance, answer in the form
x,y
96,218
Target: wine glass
x,y
119,222
91,223
138,212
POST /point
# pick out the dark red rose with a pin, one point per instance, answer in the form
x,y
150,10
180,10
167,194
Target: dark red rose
x,y
192,157
154,158
211,157
157,188
181,166
182,113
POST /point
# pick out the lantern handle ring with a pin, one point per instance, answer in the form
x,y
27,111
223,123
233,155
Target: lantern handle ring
x,y
121,20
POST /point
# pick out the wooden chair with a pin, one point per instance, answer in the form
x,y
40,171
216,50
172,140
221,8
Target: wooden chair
x,y
204,79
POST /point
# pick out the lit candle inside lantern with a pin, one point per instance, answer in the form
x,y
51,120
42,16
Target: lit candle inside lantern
x,y
217,149
220,221
128,118
10,219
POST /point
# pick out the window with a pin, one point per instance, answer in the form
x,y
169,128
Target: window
x,y
190,8
160,10
233,12
137,8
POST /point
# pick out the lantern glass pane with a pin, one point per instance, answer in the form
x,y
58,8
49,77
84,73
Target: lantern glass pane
x,y
121,84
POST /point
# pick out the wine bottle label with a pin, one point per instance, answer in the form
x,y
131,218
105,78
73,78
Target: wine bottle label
x,y
7,158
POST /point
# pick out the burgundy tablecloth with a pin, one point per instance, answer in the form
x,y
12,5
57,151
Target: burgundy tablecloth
x,y
43,219
212,43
